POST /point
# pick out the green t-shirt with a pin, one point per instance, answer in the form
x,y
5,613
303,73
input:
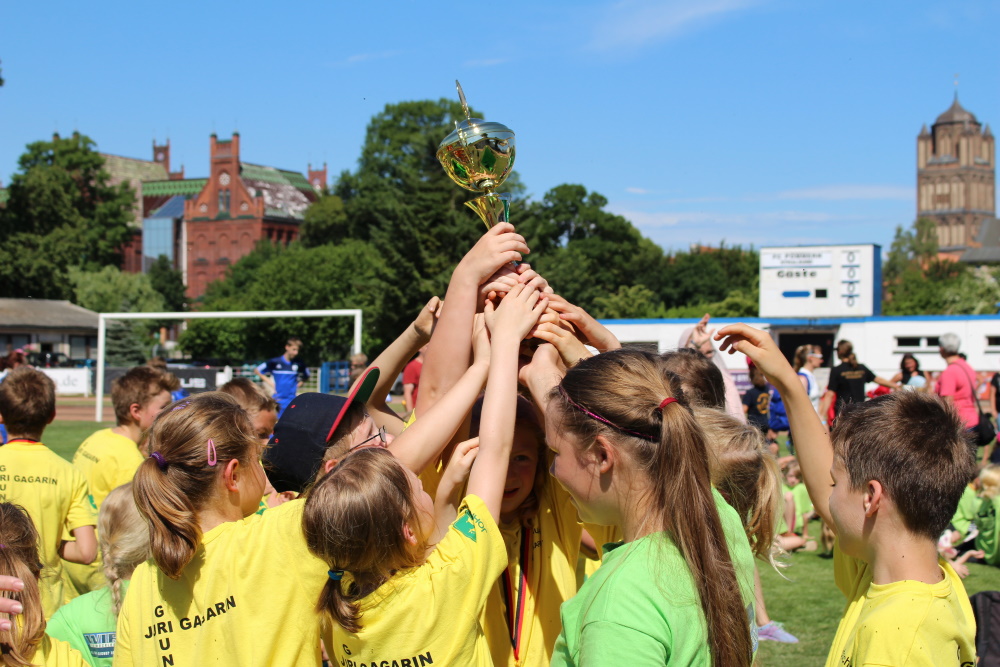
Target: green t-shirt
x,y
966,511
986,522
621,616
87,624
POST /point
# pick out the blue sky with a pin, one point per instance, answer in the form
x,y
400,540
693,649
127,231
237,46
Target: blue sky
x,y
750,121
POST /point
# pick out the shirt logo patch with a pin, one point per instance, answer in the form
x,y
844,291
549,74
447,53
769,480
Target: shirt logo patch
x,y
465,525
101,644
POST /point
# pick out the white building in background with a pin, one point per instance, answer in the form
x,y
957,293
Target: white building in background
x,y
879,342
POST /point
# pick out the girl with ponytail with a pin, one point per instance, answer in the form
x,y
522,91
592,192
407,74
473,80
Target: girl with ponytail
x,y
25,642
88,622
631,454
219,572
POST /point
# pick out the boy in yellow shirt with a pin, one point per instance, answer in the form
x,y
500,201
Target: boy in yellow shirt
x,y
53,492
109,457
898,466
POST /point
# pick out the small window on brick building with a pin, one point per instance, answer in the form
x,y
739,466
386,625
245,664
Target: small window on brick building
x,y
223,201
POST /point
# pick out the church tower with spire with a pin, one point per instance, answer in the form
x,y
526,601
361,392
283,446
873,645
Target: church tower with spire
x,y
956,162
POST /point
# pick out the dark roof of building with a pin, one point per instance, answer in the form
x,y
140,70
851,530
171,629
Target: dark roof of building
x,y
988,240
287,194
956,114
45,314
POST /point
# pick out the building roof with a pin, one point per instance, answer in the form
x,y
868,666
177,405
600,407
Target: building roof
x,y
287,194
165,188
956,114
127,169
174,208
988,242
45,314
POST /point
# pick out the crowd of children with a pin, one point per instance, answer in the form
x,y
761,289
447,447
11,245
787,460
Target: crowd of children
x,y
542,504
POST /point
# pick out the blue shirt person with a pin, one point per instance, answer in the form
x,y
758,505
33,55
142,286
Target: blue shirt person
x,y
288,374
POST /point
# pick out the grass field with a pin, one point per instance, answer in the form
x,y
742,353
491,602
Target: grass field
x,y
807,601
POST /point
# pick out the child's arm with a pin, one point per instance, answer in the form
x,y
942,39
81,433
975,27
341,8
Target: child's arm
x,y
450,487
447,354
509,324
570,348
812,442
426,438
83,549
542,374
392,360
596,334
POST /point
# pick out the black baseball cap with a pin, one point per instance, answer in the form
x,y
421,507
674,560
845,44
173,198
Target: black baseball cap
x,y
295,451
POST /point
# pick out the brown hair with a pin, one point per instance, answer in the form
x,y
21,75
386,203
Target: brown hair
x,y
353,520
294,340
626,388
249,395
757,377
802,353
845,352
746,474
27,401
526,420
916,446
172,493
701,380
19,558
138,386
124,540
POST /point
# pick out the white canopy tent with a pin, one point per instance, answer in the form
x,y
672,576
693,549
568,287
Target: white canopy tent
x,y
220,315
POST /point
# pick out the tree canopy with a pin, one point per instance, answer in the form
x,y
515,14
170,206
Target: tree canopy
x,y
61,213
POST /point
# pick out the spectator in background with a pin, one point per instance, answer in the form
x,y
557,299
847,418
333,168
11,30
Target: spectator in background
x,y
847,381
757,400
359,362
288,375
957,382
411,380
807,359
910,375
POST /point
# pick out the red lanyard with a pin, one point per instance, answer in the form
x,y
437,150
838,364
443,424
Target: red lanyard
x,y
515,612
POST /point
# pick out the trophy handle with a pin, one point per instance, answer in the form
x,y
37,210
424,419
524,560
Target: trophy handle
x,y
492,208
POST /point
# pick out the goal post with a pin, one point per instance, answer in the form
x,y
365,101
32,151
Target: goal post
x,y
104,318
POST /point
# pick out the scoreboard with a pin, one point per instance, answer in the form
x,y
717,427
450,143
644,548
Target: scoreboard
x,y
821,281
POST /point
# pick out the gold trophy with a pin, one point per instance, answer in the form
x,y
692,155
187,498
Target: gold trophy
x,y
479,155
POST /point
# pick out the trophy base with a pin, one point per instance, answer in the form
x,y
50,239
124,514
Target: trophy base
x,y
492,208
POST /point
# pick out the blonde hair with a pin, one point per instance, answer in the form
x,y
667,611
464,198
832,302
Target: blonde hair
x,y
353,520
746,474
989,481
124,540
667,447
19,558
176,482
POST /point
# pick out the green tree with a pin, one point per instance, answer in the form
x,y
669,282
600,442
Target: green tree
x,y
61,213
917,281
349,275
325,222
169,283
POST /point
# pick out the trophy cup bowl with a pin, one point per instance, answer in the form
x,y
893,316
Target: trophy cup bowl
x,y
479,155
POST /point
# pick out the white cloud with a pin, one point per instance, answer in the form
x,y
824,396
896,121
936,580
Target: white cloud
x,y
713,219
637,191
842,192
630,24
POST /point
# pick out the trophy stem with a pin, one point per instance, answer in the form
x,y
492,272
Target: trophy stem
x,y
492,208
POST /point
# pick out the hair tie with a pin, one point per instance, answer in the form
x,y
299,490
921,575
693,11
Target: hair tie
x,y
161,462
603,420
665,402
335,575
213,458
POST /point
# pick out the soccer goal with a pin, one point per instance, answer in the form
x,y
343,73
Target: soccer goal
x,y
104,318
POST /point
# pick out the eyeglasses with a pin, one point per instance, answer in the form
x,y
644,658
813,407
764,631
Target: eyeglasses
x,y
380,434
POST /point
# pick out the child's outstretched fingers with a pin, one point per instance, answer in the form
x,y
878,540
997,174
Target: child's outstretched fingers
x,y
461,461
758,345
424,324
570,349
518,312
9,605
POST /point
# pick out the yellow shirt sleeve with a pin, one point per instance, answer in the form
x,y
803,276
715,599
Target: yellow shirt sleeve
x,y
81,510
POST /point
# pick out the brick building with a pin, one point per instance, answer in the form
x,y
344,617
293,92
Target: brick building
x,y
203,225
956,162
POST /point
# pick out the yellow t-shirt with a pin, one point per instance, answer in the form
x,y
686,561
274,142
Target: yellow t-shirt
x,y
52,652
54,493
247,598
551,560
902,623
107,460
430,614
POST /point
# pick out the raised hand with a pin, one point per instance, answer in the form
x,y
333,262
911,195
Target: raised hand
x,y
569,346
761,348
500,245
591,331
428,317
517,313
